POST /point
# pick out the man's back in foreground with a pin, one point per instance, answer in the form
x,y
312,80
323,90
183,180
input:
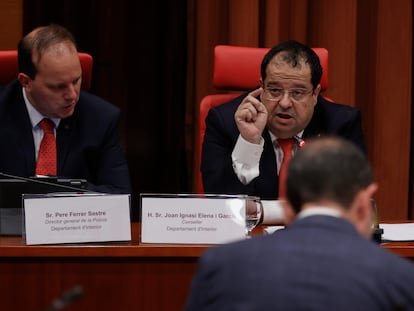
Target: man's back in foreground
x,y
323,260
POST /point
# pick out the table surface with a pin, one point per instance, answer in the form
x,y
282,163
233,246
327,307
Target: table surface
x,y
14,246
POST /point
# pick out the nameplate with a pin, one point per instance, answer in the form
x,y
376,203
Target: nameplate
x,y
80,218
192,220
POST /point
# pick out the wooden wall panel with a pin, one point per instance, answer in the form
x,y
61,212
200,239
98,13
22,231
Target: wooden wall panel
x,y
283,20
211,27
332,24
270,22
391,107
10,24
244,22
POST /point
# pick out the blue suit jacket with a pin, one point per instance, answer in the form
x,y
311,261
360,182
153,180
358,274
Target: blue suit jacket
x,y
88,144
222,133
316,263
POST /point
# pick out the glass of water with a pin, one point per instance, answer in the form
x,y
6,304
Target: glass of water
x,y
254,212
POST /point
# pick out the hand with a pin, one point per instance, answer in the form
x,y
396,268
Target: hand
x,y
251,117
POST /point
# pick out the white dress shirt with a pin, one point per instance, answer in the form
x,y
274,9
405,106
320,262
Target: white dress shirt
x,y
246,157
35,117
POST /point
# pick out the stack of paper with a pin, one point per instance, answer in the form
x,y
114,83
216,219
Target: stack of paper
x,y
398,232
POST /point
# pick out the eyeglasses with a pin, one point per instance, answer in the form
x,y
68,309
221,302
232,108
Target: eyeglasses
x,y
276,94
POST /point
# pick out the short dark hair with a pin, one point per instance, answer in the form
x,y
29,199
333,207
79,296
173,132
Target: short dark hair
x,y
327,168
38,41
293,53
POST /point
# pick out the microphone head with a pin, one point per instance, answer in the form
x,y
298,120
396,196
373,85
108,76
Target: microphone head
x,y
67,298
299,141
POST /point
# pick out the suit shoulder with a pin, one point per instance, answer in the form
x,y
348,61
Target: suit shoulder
x,y
333,109
10,90
94,103
227,109
231,104
334,106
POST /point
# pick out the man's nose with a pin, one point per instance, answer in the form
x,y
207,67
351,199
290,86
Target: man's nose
x,y
285,101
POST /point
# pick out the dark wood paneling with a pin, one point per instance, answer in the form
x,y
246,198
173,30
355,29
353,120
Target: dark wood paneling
x,y
140,57
387,109
108,284
10,24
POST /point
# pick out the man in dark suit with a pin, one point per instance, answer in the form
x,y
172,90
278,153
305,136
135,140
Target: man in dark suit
x,y
324,259
241,153
86,127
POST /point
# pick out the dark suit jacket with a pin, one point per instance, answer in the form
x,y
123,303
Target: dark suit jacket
x,y
88,144
317,263
222,133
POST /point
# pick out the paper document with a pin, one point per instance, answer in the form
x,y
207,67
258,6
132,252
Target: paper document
x,y
271,229
398,232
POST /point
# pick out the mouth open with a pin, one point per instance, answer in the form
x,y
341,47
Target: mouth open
x,y
284,116
68,109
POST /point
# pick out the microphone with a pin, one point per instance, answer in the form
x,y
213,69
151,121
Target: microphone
x,y
299,141
66,299
49,183
377,231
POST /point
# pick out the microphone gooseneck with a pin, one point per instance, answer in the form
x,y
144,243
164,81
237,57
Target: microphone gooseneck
x,y
48,183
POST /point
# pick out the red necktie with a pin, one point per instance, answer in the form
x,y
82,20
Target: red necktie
x,y
286,145
46,160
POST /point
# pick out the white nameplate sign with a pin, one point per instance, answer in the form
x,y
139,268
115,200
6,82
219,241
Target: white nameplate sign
x,y
55,219
192,220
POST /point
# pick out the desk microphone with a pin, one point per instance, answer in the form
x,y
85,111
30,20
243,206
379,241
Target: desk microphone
x,y
377,231
43,182
66,299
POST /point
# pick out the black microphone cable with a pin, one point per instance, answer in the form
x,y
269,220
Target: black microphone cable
x,y
48,183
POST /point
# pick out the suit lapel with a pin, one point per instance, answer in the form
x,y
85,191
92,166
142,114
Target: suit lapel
x,y
23,129
269,175
63,141
317,125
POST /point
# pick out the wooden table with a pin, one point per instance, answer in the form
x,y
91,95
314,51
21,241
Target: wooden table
x,y
403,249
114,276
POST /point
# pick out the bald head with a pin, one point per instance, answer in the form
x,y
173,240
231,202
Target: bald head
x,y
52,39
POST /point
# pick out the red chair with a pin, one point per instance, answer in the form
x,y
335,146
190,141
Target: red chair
x,y
9,68
236,70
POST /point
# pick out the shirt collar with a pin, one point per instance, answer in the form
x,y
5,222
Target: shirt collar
x,y
34,115
274,138
319,210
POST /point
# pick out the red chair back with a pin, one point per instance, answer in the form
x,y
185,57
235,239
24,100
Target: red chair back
x,y
9,68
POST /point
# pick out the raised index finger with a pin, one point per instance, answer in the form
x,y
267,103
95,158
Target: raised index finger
x,y
257,104
256,92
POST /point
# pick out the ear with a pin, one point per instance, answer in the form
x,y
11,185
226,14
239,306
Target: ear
x,y
316,93
361,212
24,80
